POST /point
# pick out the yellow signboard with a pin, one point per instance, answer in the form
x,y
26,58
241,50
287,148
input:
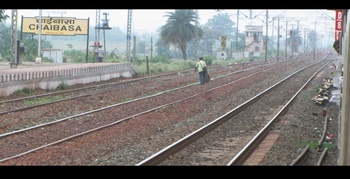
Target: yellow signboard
x,y
55,25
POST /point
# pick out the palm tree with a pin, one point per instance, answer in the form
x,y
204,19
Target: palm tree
x,y
3,16
179,29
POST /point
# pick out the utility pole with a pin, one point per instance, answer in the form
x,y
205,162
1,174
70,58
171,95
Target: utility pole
x,y
128,35
97,34
304,39
151,47
315,38
13,38
134,51
267,25
104,27
272,30
278,38
292,40
38,58
196,35
97,23
285,51
237,30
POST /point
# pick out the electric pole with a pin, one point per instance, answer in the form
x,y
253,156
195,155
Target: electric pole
x,y
267,25
315,42
237,30
285,50
13,38
128,35
278,37
196,35
97,34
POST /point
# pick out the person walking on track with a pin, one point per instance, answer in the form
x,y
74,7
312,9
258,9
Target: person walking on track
x,y
199,67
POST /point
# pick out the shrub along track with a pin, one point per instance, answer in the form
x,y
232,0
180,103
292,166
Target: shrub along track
x,y
134,140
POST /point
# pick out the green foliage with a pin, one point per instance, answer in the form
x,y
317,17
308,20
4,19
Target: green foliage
x,y
38,101
114,55
141,47
180,29
164,66
5,38
208,60
24,91
62,86
295,40
77,56
28,90
221,25
70,46
28,57
3,16
31,47
314,145
312,40
158,58
159,64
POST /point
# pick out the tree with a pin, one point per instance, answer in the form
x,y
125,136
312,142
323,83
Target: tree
x,y
312,38
221,25
5,39
141,46
3,16
294,40
179,30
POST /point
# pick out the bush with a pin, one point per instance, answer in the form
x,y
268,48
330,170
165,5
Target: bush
x,y
24,91
62,86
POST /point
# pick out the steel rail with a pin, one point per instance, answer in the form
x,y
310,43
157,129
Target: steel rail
x,y
115,122
91,87
126,102
180,144
249,148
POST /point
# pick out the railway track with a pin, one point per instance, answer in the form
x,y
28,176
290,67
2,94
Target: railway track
x,y
81,119
23,103
310,156
90,96
195,153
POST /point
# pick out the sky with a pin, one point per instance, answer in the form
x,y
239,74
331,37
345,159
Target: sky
x,y
149,20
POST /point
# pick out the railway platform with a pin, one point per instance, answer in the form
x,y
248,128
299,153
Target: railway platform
x,y
47,75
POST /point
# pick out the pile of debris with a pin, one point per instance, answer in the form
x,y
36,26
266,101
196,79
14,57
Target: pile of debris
x,y
324,93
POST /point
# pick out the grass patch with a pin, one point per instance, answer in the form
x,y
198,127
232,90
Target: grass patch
x,y
24,91
314,145
62,86
38,101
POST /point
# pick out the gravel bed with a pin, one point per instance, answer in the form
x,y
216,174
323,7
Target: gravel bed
x,y
134,140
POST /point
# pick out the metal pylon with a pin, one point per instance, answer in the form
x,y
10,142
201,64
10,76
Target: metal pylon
x,y
14,38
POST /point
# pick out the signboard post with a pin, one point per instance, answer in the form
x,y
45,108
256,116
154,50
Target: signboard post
x,y
338,23
64,26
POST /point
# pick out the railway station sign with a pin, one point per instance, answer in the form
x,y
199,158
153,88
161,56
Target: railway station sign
x,y
66,26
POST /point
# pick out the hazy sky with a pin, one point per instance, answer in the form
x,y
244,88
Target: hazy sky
x,y
149,20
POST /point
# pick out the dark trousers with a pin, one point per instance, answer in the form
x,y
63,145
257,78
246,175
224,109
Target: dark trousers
x,y
201,77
